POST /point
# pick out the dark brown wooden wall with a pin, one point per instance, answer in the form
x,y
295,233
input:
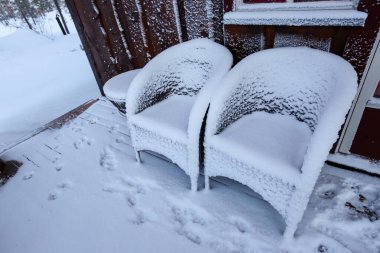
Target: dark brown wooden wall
x,y
119,35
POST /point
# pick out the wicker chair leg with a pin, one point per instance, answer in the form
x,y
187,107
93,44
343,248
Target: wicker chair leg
x,y
138,157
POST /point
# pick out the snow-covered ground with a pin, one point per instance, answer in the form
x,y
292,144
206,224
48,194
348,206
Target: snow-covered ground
x,y
6,30
42,76
46,25
81,190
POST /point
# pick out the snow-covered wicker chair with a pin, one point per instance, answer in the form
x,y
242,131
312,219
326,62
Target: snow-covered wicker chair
x,y
168,99
273,121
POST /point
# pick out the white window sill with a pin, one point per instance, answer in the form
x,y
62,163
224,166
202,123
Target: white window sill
x,y
297,18
320,5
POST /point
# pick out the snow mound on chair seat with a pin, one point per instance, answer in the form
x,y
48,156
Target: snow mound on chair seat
x,y
169,117
117,87
274,142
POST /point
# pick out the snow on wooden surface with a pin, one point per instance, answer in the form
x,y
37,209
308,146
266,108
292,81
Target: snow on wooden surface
x,y
80,190
40,79
297,18
336,5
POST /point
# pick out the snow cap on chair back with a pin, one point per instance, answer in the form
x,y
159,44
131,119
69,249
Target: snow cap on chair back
x,y
182,69
290,81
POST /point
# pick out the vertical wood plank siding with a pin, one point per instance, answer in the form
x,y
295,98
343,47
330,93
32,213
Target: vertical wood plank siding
x,y
161,29
93,58
196,18
243,40
360,40
117,43
119,35
134,32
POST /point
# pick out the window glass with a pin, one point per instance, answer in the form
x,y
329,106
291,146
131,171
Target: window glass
x,y
284,1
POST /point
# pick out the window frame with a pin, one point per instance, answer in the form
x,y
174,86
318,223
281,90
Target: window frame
x,y
239,5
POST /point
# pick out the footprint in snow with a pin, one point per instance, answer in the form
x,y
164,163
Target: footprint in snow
x,y
186,221
327,191
240,224
191,216
134,186
28,176
59,167
140,218
107,159
226,246
114,128
194,238
109,189
93,120
188,234
60,189
83,142
197,219
131,200
65,184
77,129
121,140
56,158
53,196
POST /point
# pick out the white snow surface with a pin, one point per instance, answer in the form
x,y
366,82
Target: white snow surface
x,y
297,18
6,30
260,137
170,117
81,190
46,26
307,85
40,79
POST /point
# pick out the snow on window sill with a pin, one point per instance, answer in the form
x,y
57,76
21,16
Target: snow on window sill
x,y
323,5
297,18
